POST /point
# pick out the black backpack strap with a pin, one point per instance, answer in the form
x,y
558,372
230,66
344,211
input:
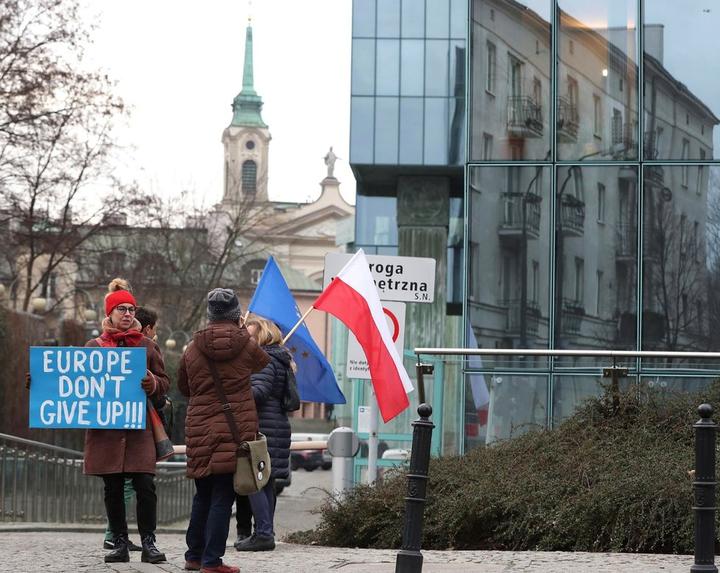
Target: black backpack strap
x,y
226,408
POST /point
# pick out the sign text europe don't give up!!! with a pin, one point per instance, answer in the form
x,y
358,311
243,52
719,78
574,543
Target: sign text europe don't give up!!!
x,y
87,387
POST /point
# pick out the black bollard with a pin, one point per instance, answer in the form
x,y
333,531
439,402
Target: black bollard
x,y
409,558
704,489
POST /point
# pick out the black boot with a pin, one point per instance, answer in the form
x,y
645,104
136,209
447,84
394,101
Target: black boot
x,y
120,553
150,553
257,543
241,536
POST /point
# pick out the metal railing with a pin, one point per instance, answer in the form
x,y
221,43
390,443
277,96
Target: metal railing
x,y
44,483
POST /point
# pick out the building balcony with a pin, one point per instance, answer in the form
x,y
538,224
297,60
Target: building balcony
x,y
524,117
654,175
568,121
572,216
623,139
650,151
572,315
625,242
514,316
513,222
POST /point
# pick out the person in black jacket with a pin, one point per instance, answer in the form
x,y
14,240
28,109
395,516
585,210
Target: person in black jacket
x,y
268,387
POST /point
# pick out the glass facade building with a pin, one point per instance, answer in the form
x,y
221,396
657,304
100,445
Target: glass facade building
x,y
584,182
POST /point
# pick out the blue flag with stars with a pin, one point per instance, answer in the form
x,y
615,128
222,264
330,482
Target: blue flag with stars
x,y
274,301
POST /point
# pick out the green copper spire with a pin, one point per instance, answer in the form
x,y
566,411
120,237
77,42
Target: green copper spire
x,y
247,104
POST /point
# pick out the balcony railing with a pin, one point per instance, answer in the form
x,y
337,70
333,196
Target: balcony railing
x,y
654,175
568,120
623,135
650,151
572,315
625,242
512,222
572,215
514,315
524,117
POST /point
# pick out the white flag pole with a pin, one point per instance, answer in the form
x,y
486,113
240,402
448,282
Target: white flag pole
x,y
297,325
372,439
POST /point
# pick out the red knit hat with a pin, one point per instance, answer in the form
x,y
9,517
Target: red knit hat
x,y
118,294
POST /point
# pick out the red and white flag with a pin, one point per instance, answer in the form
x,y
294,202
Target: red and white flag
x,y
353,298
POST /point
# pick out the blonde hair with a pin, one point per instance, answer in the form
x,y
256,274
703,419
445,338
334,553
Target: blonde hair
x,y
267,331
119,284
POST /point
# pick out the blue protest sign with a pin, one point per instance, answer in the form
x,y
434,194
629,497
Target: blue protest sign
x,y
87,387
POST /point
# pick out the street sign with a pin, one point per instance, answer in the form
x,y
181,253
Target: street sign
x,y
406,279
357,366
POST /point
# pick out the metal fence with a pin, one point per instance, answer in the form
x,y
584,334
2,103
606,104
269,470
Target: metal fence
x,y
44,483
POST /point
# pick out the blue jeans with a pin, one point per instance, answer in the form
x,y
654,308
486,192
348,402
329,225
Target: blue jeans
x,y
263,509
209,525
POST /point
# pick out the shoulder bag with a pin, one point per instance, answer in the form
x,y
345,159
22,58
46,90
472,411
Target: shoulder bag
x,y
252,468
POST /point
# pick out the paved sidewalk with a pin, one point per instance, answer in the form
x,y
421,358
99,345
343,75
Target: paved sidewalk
x,y
67,552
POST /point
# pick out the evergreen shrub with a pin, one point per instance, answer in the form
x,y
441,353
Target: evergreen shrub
x,y
607,479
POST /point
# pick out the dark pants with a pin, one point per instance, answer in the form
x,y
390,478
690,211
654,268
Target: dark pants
x,y
243,515
144,486
263,509
207,532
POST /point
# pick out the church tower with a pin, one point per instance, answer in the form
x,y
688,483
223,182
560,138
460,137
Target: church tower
x,y
246,141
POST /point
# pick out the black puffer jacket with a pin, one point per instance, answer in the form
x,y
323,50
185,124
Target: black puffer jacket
x,y
268,387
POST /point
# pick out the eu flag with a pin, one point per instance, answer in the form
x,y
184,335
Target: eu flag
x,y
274,301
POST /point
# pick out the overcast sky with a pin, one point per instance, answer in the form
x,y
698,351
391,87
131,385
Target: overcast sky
x,y
178,65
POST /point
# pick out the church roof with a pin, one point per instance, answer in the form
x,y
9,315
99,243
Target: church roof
x,y
247,104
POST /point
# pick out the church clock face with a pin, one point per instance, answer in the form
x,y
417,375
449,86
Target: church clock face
x,y
250,144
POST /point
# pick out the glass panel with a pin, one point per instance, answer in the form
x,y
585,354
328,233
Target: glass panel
x,y
570,392
509,259
388,67
386,130
510,67
363,18
436,68
454,283
436,131
438,18
597,80
681,262
363,67
376,222
361,129
681,99
388,19
411,131
502,406
412,67
413,19
458,18
596,254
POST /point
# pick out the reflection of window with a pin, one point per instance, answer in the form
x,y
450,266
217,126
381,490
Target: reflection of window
x,y
700,178
490,67
255,275
601,203
579,279
659,140
573,92
513,180
597,116
487,146
685,169
598,298
537,91
578,184
515,77
535,291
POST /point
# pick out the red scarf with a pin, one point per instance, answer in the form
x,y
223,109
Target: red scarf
x,y
112,336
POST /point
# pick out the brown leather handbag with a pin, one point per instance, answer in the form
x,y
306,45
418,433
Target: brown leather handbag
x,y
252,468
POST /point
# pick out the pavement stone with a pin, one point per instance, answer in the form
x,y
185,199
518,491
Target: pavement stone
x,y
71,552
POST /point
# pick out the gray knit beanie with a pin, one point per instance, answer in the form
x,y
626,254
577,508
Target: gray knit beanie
x,y
223,304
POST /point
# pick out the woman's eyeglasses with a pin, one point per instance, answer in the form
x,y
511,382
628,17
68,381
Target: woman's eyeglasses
x,y
125,309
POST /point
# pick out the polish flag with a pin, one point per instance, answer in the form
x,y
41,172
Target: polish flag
x,y
353,298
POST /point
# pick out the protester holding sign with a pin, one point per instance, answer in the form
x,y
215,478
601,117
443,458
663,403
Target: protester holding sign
x,y
269,388
211,446
117,454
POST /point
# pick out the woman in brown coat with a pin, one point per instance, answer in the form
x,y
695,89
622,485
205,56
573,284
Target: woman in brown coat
x,y
117,454
211,449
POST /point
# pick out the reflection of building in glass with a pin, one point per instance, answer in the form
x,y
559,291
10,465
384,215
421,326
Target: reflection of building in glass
x,y
578,236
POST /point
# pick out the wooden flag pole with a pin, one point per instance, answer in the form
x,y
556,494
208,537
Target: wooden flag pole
x,y
297,325
244,318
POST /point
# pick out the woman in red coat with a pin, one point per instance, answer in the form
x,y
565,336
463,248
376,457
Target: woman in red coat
x,y
117,454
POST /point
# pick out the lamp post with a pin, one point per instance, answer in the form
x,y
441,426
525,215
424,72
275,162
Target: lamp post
x,y
171,342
